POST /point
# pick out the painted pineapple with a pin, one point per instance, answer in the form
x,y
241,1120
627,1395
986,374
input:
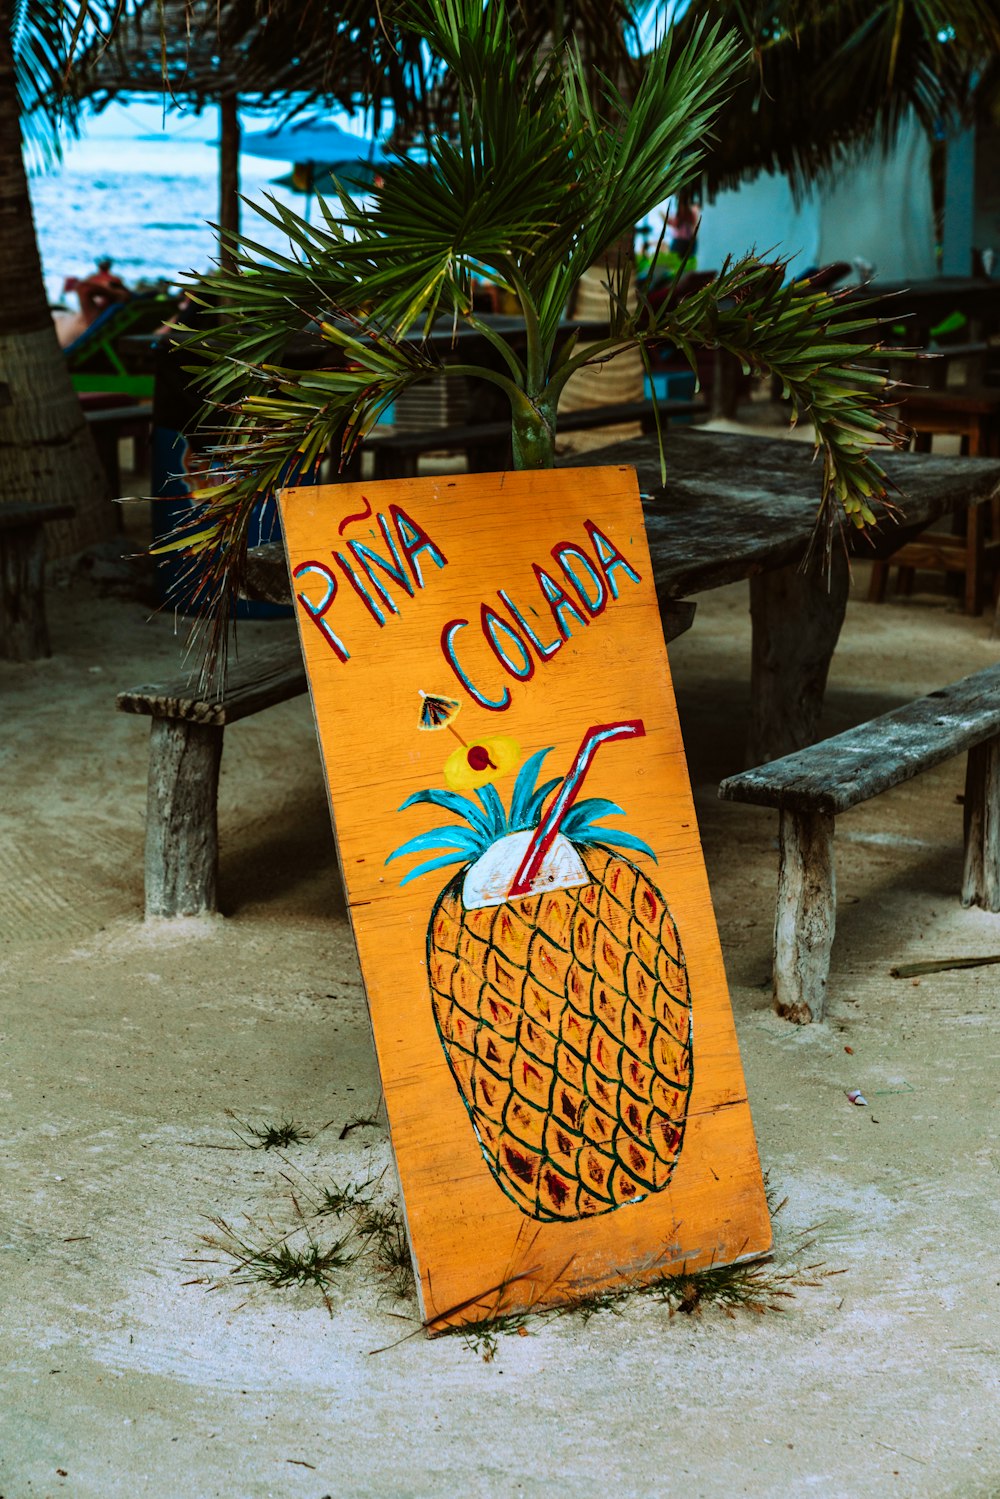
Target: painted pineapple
x,y
564,1012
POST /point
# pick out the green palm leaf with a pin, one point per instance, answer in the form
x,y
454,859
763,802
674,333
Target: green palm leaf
x,y
828,76
543,168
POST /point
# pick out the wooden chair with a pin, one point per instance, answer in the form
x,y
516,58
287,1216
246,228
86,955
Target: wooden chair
x,y
973,549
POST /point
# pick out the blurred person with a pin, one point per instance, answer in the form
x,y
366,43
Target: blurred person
x,y
95,294
683,225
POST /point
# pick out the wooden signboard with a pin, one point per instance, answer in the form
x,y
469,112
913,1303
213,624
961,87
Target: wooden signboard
x,y
521,859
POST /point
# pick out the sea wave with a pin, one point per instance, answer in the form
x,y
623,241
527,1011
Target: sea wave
x,y
155,225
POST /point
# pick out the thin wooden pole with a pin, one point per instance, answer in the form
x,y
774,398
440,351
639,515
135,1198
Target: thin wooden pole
x,y
229,176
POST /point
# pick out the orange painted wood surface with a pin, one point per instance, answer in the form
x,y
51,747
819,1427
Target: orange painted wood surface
x,y
564,1090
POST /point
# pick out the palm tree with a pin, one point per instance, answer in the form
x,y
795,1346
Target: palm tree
x,y
534,182
55,52
46,452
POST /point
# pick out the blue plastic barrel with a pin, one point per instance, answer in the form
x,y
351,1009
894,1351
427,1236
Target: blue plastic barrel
x,y
170,461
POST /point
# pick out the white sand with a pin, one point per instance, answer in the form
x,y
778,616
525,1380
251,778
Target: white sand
x,y
124,1044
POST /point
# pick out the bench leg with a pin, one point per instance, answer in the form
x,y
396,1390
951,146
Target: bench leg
x,y
805,918
796,624
389,465
24,634
489,457
981,879
879,581
182,838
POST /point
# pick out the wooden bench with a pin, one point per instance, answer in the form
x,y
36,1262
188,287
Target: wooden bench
x,y
24,634
486,445
970,413
813,785
185,752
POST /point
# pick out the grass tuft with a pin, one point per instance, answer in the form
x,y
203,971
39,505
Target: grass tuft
x,y
269,1136
368,1121
371,1229
757,1286
296,1257
385,1234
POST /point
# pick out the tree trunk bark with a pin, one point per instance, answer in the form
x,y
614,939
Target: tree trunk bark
x,y
46,451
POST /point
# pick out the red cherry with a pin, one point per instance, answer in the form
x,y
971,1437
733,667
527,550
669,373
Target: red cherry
x,y
478,757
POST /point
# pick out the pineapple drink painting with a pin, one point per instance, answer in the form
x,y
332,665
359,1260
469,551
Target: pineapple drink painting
x,y
559,990
525,883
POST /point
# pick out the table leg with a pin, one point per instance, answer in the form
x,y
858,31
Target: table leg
x,y
981,879
796,619
726,385
24,634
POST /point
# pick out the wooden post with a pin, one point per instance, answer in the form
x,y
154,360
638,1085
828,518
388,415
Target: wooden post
x,y
981,877
182,839
24,635
806,915
229,176
975,554
796,618
726,385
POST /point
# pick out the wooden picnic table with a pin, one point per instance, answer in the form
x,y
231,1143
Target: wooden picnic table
x,y
737,507
918,306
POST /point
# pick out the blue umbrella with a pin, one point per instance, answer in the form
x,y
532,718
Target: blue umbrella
x,y
319,150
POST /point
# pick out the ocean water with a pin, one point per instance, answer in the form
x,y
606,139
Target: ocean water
x,y
146,196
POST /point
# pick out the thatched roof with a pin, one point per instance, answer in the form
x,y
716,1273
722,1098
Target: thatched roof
x,y
825,75
199,51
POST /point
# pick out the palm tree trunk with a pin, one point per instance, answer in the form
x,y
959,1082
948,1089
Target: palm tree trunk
x,y
46,451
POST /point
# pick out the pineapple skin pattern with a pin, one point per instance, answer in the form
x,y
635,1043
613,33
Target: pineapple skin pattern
x,y
561,999
566,1021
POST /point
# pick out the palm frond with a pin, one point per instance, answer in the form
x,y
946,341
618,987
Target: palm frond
x,y
806,339
430,864
542,170
494,809
47,38
450,801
